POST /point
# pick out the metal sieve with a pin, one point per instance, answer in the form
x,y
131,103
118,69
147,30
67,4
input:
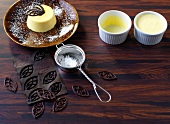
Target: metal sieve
x,y
72,57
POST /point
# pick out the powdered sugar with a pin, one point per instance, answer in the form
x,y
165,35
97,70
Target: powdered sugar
x,y
58,11
68,61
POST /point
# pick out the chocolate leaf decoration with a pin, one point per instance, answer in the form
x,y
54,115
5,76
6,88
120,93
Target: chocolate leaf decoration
x,y
38,109
10,84
31,83
60,104
26,71
49,77
39,55
34,96
80,91
55,87
45,94
107,75
36,9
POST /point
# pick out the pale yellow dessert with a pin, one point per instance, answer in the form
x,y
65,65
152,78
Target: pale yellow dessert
x,y
150,23
114,24
42,23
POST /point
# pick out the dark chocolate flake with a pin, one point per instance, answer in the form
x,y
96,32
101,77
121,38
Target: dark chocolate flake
x,y
24,1
26,71
107,75
56,87
31,83
39,55
10,84
80,91
34,96
60,104
54,2
45,94
38,109
49,77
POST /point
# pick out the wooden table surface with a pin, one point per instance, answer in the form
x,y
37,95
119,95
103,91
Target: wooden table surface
x,y
141,93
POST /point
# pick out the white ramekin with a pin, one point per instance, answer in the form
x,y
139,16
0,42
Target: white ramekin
x,y
114,38
146,38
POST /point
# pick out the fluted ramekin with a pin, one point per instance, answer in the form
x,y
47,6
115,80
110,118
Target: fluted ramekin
x,y
148,38
114,38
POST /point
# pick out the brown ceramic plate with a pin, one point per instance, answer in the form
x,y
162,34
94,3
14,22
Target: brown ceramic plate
x,y
16,28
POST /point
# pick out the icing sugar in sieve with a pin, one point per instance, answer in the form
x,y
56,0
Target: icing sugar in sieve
x,y
72,57
68,60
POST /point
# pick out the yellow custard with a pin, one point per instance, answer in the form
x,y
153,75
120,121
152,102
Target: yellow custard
x,y
150,23
114,24
42,23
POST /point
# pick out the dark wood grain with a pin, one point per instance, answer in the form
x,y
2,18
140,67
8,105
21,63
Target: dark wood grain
x,y
141,93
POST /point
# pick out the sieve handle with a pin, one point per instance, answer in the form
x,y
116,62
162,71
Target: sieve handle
x,y
62,44
95,86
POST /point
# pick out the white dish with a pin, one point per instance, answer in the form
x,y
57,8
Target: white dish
x,y
149,38
122,21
